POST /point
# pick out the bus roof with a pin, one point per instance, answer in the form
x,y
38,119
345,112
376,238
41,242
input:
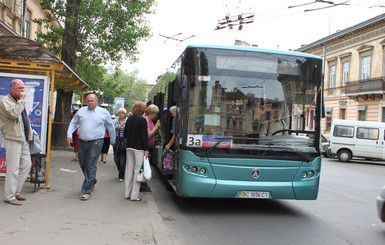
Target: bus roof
x,y
254,49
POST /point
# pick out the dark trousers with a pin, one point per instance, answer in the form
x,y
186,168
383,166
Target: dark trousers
x,y
120,161
88,158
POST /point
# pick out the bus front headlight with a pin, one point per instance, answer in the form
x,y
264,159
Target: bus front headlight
x,y
304,174
202,171
194,169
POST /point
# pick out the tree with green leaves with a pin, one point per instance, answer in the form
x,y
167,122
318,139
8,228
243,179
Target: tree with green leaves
x,y
120,84
89,33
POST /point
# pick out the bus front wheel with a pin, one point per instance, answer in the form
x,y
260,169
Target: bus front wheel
x,y
344,156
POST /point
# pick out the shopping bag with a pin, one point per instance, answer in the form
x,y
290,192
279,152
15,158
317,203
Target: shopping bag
x,y
168,162
34,144
147,169
140,177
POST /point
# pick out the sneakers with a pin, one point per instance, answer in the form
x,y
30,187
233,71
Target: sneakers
x,y
136,200
13,202
121,180
85,197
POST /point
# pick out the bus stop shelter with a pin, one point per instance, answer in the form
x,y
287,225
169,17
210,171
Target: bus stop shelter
x,y
21,56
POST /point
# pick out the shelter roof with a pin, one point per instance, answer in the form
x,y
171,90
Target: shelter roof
x,y
24,56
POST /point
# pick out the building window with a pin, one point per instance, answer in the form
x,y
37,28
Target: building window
x,y
365,68
345,73
11,5
342,113
332,76
28,24
362,115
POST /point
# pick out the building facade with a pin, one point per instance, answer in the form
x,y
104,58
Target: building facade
x,y
354,66
16,18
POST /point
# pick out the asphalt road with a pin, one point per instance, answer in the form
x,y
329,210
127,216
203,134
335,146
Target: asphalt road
x,y
344,213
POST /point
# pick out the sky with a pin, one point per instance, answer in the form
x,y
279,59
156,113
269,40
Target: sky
x,y
275,26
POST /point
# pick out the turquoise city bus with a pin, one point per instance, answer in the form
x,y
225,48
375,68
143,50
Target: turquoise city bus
x,y
247,124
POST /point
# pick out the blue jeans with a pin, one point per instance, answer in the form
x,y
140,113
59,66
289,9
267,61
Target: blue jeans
x,y
88,154
120,161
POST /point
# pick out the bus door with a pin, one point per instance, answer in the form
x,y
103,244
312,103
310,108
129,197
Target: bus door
x,y
159,102
167,126
167,120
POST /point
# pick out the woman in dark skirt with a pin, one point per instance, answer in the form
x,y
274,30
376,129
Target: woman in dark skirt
x,y
106,147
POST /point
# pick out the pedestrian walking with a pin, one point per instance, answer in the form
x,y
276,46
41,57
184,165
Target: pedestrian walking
x,y
92,121
120,154
105,147
17,131
136,136
75,139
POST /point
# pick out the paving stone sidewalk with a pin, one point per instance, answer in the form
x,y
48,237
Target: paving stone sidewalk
x,y
58,216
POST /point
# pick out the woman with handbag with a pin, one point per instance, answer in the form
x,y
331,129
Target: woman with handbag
x,y
136,135
120,145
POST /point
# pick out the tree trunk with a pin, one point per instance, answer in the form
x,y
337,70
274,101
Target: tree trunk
x,y
62,119
68,55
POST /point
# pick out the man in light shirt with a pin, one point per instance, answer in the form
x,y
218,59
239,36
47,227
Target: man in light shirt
x,y
92,120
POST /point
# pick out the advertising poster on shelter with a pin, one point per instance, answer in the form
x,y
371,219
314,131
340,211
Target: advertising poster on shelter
x,y
36,89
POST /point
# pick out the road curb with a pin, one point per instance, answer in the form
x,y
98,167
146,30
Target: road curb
x,y
161,236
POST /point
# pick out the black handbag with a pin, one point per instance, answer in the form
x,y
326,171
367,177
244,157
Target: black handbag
x,y
120,145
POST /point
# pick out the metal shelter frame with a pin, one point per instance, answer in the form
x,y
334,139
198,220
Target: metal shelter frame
x,y
20,55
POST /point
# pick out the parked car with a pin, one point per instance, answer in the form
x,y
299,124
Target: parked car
x,y
381,205
325,149
361,139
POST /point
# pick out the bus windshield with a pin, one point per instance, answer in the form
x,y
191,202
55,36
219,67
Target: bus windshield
x,y
251,100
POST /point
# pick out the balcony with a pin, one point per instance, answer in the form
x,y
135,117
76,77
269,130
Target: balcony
x,y
366,89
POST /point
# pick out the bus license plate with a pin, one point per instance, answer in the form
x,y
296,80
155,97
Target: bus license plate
x,y
255,194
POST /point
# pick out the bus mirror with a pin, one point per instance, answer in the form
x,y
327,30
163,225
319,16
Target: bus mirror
x,y
180,88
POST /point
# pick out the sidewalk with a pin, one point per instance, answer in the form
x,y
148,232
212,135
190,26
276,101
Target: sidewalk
x,y
58,216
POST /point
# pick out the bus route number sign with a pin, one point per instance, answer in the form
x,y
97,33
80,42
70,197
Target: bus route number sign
x,y
194,140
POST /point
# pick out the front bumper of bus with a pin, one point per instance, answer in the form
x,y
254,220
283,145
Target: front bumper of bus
x,y
202,177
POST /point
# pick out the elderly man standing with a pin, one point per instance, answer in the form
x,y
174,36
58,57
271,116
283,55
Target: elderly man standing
x,y
16,129
92,121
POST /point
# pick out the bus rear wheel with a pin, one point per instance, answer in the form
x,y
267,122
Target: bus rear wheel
x,y
344,156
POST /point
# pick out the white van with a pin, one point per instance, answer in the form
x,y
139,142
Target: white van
x,y
357,139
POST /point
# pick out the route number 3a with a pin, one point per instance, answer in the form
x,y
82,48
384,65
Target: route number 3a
x,y
194,140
